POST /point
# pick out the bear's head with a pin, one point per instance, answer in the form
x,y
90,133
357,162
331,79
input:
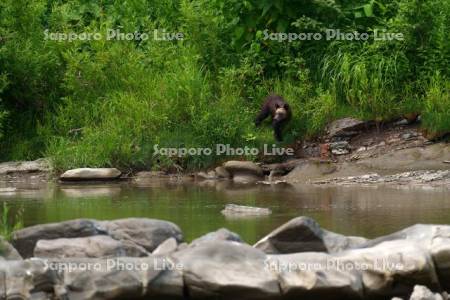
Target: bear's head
x,y
280,114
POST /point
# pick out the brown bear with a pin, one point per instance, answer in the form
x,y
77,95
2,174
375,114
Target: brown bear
x,y
280,111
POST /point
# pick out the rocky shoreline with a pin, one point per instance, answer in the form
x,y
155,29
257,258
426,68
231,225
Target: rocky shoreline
x,y
352,152
146,258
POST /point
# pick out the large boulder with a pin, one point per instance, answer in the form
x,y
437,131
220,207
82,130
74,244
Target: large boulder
x,y
155,277
391,268
7,251
24,240
147,233
388,270
86,247
136,235
434,238
303,234
226,270
244,171
91,174
309,276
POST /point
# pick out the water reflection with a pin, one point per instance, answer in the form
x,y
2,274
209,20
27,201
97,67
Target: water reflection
x,y
366,211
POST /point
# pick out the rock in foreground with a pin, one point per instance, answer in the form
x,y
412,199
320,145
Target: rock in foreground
x,y
132,237
303,234
308,262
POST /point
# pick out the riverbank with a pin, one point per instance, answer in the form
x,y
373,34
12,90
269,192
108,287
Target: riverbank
x,y
351,152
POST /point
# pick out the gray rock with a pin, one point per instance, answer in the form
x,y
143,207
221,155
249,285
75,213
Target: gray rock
x,y
309,276
208,176
25,240
241,210
86,247
401,122
222,234
340,148
147,233
27,279
342,126
7,251
20,167
243,167
303,234
168,246
123,278
226,270
222,172
434,238
91,174
382,272
393,268
423,293
137,235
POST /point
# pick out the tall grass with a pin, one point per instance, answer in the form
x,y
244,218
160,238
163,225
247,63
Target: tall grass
x,y
107,103
9,223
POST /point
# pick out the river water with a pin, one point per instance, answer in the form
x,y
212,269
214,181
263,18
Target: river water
x,y
368,211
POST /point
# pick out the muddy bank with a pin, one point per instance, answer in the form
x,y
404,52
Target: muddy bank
x,y
419,165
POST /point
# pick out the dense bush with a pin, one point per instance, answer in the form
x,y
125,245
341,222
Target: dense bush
x,y
108,102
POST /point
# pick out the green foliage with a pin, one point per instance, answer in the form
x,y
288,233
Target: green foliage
x,y
6,229
436,114
108,102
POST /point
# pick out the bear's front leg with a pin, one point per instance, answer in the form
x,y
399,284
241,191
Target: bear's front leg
x,y
277,128
264,113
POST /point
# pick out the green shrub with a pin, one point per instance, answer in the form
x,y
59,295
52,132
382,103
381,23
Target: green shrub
x,y
436,114
108,103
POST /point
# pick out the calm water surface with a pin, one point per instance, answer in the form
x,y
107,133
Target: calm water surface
x,y
363,211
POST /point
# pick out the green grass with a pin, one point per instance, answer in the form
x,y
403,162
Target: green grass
x,y
107,103
9,223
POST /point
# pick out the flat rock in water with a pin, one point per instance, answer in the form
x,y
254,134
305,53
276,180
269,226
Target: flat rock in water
x,y
241,210
91,174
